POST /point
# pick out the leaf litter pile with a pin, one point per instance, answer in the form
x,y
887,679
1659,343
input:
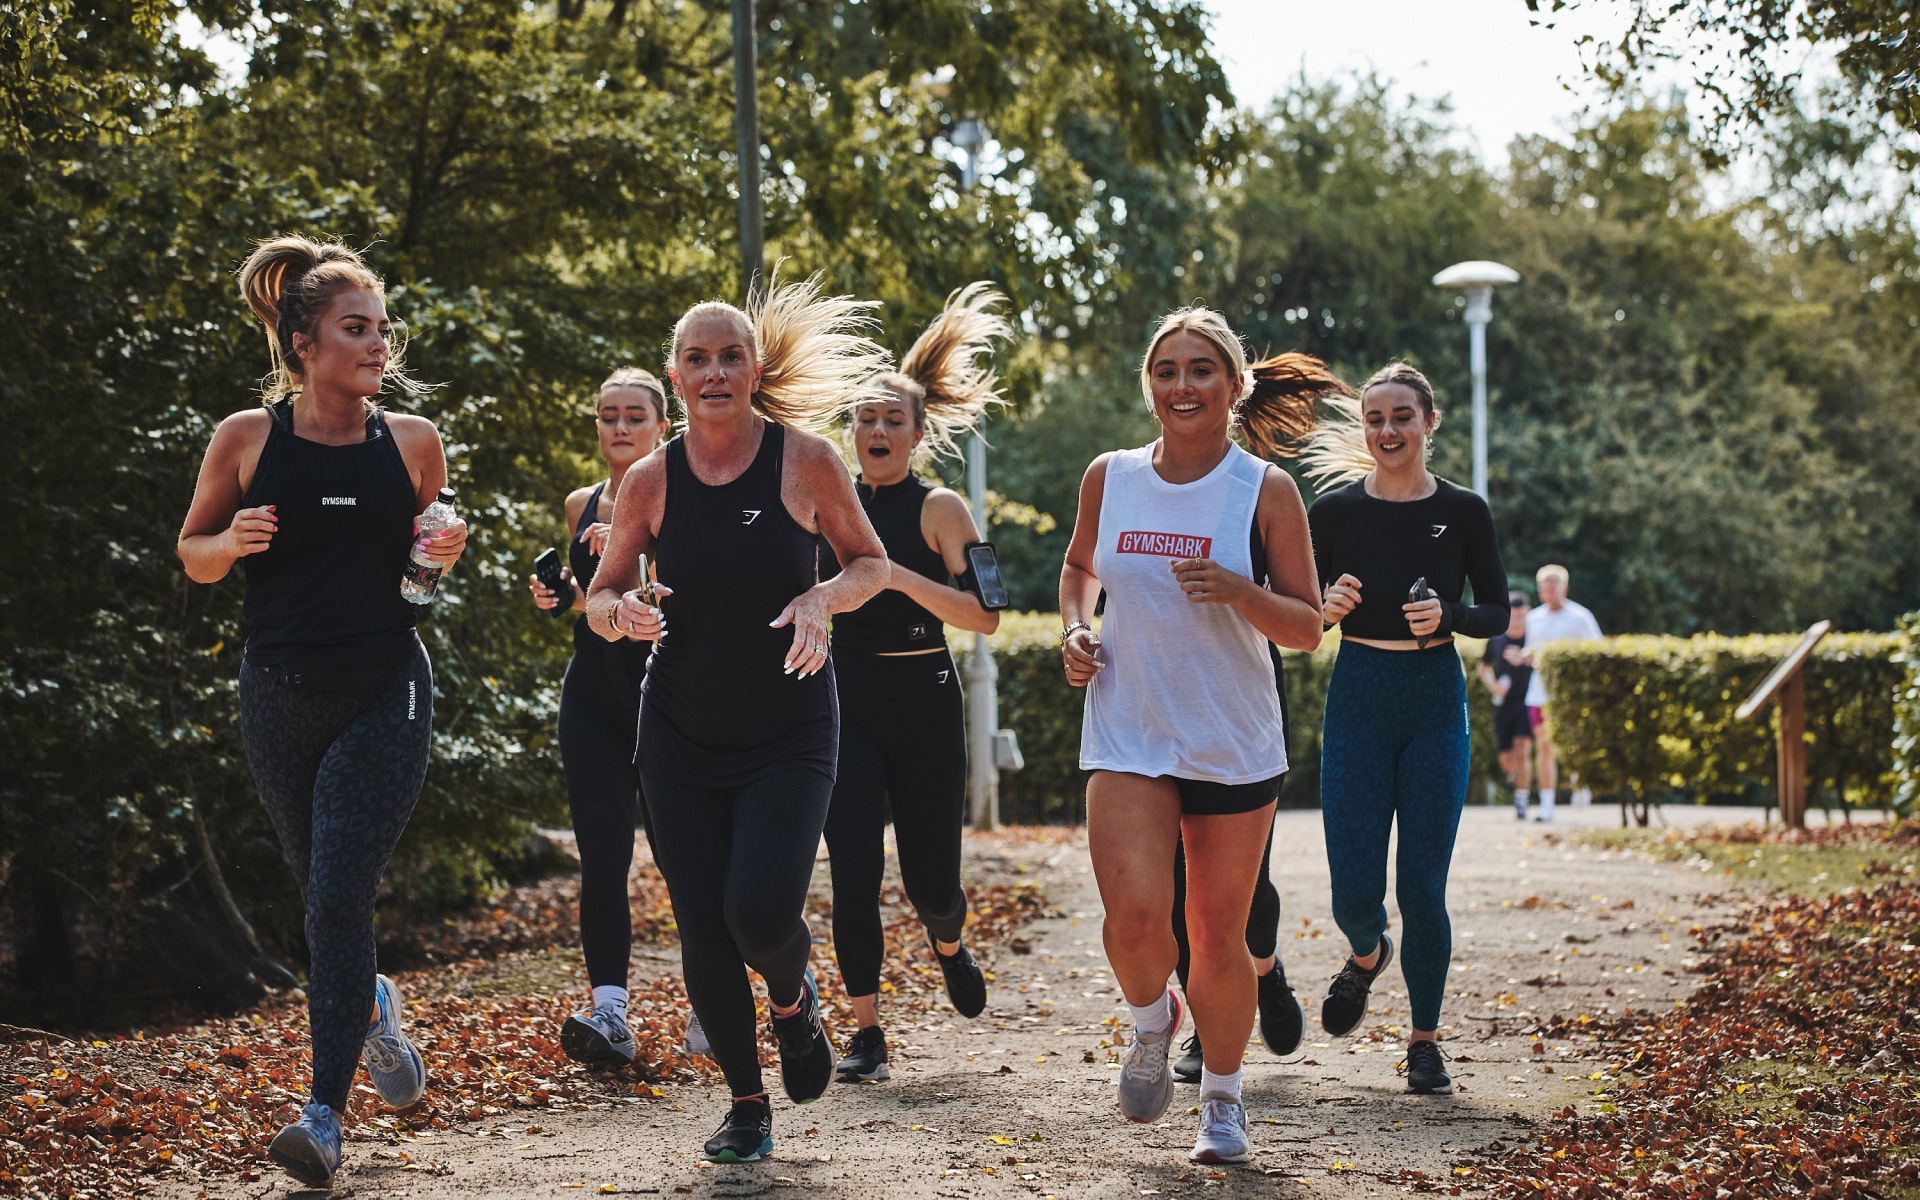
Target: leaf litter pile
x,y
1794,1069
113,1116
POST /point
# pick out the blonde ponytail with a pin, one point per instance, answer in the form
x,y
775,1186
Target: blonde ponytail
x,y
288,282
942,374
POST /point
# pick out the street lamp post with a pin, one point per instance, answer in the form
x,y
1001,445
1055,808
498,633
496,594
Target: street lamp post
x,y
1478,279
746,107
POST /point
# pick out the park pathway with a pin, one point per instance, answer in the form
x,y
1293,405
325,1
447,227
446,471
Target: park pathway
x,y
1020,1102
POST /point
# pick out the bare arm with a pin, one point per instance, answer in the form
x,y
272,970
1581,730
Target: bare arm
x,y
614,609
1079,587
543,596
1287,610
819,494
217,532
948,527
426,461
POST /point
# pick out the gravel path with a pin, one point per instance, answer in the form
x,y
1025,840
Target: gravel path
x,y
1020,1102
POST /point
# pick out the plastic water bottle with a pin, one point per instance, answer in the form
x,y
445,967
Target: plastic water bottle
x,y
422,577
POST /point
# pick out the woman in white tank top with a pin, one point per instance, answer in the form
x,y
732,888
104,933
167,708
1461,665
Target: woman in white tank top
x,y
1182,729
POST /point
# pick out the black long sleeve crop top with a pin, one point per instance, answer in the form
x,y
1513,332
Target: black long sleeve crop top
x,y
1387,545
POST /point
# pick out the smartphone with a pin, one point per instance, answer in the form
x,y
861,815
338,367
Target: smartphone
x,y
548,571
984,567
646,582
1415,594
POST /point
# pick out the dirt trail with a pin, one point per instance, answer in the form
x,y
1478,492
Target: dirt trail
x,y
1010,1104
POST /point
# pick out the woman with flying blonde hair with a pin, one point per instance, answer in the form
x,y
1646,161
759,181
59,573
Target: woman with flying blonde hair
x,y
902,727
318,490
1202,550
599,710
739,722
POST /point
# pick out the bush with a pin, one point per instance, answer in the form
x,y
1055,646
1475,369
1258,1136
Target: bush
x,y
1906,717
1652,717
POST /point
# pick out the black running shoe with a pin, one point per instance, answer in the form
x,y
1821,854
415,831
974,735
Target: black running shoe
x,y
1281,1021
1188,1069
1426,1072
746,1135
806,1056
1346,1003
866,1057
966,983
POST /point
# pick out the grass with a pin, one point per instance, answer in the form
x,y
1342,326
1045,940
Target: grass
x,y
1818,868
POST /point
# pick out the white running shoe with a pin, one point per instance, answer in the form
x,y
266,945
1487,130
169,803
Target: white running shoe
x,y
1146,1078
597,1035
399,1073
695,1039
1223,1132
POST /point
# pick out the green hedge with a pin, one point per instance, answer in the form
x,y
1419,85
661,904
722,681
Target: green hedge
x,y
1652,717
1037,703
1906,718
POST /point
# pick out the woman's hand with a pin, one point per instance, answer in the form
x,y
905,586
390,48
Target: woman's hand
x,y
808,616
1207,582
1341,597
251,531
1423,616
635,619
595,536
544,597
1080,653
445,547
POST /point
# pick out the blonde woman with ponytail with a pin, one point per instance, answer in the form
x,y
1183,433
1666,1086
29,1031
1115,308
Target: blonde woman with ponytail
x,y
739,726
1202,551
318,491
902,728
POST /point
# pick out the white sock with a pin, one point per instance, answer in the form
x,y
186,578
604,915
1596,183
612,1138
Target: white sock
x,y
1546,803
1219,1087
609,996
1155,1017
1520,798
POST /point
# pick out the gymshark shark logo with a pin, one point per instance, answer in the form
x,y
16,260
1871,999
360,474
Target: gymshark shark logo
x,y
1438,530
749,514
941,676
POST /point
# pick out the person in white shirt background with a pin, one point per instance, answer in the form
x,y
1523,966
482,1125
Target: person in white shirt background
x,y
1556,619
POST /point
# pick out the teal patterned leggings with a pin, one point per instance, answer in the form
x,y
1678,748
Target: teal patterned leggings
x,y
1394,746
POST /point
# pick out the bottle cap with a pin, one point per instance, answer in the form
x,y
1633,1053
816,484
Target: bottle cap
x,y
448,495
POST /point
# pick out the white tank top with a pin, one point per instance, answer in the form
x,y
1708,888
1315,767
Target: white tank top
x,y
1188,689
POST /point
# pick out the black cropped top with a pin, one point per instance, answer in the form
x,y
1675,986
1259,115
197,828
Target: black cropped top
x,y
1447,538
893,622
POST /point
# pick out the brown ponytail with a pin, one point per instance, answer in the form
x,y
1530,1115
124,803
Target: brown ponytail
x,y
942,374
1282,408
288,282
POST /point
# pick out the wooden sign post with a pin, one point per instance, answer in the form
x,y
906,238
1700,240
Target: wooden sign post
x,y
1788,687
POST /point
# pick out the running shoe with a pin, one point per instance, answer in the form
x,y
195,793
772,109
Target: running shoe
x,y
1146,1079
694,1041
1187,1070
806,1056
309,1149
1223,1132
966,983
866,1057
1426,1069
1346,1003
746,1135
596,1035
1281,1021
399,1073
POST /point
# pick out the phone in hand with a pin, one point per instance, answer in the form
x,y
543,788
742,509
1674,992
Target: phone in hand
x,y
1415,594
646,583
551,574
983,566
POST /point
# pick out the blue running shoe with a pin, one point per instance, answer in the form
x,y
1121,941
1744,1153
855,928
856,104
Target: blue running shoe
x,y
806,1056
399,1073
309,1149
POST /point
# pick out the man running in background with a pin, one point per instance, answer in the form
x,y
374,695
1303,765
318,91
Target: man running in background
x,y
1504,671
1557,619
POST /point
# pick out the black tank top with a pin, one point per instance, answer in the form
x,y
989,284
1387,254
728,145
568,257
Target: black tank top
x,y
718,708
585,563
892,621
326,590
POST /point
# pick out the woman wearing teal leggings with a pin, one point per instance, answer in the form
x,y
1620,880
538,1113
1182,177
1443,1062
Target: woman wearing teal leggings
x,y
1398,544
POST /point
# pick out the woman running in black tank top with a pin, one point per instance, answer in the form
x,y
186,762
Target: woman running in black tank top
x,y
738,718
902,726
599,711
319,492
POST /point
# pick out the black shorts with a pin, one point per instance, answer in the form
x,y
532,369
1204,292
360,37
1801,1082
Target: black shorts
x,y
1204,798
1510,724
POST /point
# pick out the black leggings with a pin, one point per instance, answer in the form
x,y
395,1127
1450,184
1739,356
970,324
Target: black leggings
x,y
737,861
903,746
339,775
1263,918
599,710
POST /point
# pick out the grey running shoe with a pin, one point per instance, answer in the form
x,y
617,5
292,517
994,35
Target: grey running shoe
x,y
1146,1078
595,1035
1223,1132
309,1149
695,1039
1346,1003
399,1073
1426,1069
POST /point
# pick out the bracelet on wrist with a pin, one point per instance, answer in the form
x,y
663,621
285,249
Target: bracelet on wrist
x,y
1068,631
